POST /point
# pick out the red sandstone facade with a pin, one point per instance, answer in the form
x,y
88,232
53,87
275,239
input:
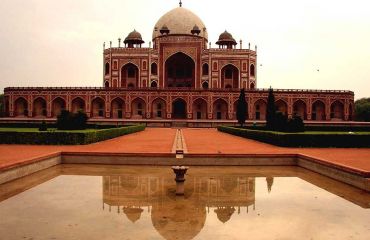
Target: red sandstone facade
x,y
180,77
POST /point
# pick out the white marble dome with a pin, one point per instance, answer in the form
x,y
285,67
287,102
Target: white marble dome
x,y
180,21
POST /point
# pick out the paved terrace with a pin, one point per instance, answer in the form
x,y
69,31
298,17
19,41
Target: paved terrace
x,y
198,141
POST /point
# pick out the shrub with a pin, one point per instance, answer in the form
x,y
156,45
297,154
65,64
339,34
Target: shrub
x,y
295,124
241,108
301,139
66,137
72,121
43,126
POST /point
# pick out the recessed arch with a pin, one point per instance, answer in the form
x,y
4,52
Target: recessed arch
x,y
106,84
154,84
220,109
337,110
260,107
39,107
138,108
98,107
117,108
300,109
205,85
21,107
252,86
57,106
318,110
230,76
154,68
200,108
205,69
252,70
180,71
282,107
78,104
159,108
107,68
130,76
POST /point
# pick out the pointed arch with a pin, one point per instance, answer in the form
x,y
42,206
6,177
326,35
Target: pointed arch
x,y
138,108
318,110
78,104
300,109
117,108
260,107
252,70
200,108
179,108
154,69
220,109
130,76
39,107
337,110
97,107
57,106
21,107
107,68
230,76
179,71
159,108
205,69
282,107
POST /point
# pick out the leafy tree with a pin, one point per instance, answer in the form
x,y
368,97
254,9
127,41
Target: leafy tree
x,y
362,110
72,121
270,111
241,108
295,124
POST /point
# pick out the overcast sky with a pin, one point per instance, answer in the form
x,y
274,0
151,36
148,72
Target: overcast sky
x,y
59,43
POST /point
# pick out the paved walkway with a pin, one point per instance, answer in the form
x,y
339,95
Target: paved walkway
x,y
198,141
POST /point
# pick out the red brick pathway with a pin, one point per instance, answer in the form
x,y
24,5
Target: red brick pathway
x,y
198,141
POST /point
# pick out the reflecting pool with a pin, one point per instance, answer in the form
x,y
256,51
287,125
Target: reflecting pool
x,y
136,202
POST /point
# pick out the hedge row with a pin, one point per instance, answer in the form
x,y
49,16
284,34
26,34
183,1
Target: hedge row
x,y
51,125
66,137
302,139
321,128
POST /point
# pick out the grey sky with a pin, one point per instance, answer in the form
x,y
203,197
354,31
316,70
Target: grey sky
x,y
59,43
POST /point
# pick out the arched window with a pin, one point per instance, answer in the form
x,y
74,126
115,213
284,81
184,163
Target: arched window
x,y
154,69
205,85
153,84
107,69
252,86
205,69
106,84
252,70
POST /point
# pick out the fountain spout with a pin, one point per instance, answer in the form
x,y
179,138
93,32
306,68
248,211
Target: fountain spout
x,y
180,172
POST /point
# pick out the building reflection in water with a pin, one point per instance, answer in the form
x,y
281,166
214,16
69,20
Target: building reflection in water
x,y
171,215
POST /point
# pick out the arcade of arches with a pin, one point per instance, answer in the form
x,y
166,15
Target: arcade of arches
x,y
178,108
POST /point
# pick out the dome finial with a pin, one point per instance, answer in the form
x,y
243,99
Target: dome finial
x,y
180,3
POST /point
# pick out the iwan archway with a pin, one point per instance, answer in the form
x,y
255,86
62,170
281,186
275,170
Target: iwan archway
x,y
180,71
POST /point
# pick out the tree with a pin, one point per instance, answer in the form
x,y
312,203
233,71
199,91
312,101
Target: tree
x,y
362,110
241,108
270,111
72,121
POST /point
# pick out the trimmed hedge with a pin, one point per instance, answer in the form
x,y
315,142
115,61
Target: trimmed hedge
x,y
321,128
66,137
51,125
343,140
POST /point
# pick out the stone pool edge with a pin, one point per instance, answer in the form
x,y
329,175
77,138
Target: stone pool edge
x,y
352,176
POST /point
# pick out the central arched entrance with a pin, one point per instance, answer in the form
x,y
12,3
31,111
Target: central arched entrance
x,y
179,109
180,71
